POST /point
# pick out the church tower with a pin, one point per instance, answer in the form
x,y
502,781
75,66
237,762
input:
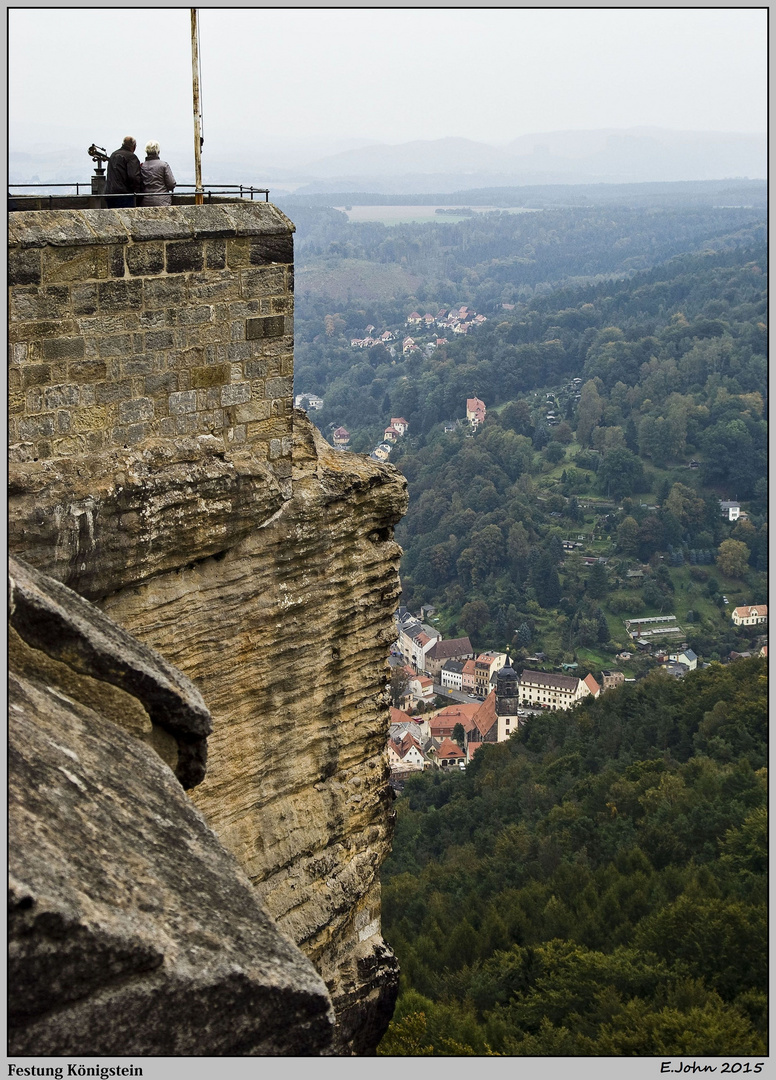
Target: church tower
x,y
507,691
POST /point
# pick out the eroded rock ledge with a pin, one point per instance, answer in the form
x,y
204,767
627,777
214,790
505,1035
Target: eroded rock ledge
x,y
131,929
282,620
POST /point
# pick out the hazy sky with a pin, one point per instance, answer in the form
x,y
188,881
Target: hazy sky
x,y
393,75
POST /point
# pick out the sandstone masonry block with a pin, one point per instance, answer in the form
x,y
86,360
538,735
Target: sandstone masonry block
x,y
276,388
254,410
185,402
84,298
113,391
63,348
57,397
74,263
115,296
130,435
159,339
28,304
36,375
24,268
268,281
138,365
195,316
215,254
145,258
34,427
183,256
212,375
139,409
86,371
163,292
166,382
235,394
116,264
271,326
272,249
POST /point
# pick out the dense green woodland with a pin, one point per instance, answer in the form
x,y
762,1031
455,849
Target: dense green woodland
x,y
672,363
594,886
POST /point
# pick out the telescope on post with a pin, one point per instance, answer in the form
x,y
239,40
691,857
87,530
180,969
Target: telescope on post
x,y
98,155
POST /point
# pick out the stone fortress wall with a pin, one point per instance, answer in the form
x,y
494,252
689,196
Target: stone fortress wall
x,y
164,321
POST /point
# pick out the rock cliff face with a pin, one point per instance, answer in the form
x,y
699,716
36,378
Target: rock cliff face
x,y
279,610
157,469
131,929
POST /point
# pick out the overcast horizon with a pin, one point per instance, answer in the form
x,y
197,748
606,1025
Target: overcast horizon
x,y
338,78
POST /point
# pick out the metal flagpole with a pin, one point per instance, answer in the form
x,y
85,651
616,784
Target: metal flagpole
x,y
198,191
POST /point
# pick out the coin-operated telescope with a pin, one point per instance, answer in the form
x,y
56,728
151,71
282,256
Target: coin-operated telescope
x,y
98,155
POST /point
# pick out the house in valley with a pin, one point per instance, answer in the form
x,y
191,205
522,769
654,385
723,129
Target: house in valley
x,y
468,681
341,436
451,649
475,411
750,615
550,691
485,667
450,755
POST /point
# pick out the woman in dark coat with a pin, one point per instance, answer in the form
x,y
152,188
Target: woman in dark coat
x,y
158,181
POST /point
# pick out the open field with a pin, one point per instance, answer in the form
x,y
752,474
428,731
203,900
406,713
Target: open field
x,y
397,215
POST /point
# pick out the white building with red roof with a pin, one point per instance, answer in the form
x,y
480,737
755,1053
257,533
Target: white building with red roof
x,y
750,615
475,411
550,691
450,755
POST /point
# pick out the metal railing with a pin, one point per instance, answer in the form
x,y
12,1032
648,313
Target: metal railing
x,y
19,194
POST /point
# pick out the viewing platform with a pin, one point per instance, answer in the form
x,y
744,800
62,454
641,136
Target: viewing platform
x,y
81,195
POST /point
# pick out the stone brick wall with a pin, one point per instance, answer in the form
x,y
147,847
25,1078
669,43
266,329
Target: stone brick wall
x,y
150,322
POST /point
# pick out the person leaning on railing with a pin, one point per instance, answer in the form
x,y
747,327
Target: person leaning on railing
x,y
158,181
123,180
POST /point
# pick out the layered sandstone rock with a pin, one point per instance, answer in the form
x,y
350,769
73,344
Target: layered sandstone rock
x,y
279,610
131,929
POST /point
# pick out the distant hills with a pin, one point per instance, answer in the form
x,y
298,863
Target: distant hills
x,y
605,156
609,155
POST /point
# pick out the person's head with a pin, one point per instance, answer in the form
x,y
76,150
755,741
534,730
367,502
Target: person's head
x,y
152,147
129,143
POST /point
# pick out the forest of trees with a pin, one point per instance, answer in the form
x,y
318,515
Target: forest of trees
x,y
672,368
594,886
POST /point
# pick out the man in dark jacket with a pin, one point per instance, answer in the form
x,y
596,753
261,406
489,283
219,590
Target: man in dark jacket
x,y
124,177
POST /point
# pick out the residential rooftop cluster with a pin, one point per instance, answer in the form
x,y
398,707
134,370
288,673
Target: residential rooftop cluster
x,y
496,700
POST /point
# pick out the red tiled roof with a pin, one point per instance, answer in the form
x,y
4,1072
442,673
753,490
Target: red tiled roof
x,y
457,713
591,684
399,717
449,749
443,650
751,609
485,717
